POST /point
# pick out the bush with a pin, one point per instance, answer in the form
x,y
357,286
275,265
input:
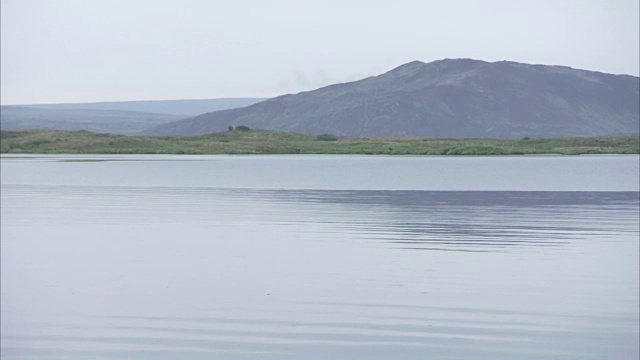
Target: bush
x,y
242,128
326,137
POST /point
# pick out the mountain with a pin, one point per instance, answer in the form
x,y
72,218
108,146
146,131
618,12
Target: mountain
x,y
446,98
174,107
99,121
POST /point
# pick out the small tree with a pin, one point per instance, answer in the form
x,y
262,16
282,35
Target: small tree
x,y
230,128
326,137
242,128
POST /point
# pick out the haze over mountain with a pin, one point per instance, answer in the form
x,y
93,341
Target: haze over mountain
x,y
190,107
446,98
121,117
98,121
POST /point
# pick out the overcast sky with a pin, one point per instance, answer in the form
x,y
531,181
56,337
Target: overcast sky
x,y
108,50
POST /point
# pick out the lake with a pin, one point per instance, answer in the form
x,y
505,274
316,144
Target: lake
x,y
319,257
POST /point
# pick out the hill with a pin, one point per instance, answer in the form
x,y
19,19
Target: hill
x,y
173,107
100,121
446,98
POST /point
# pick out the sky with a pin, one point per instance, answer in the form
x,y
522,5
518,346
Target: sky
x,y
58,51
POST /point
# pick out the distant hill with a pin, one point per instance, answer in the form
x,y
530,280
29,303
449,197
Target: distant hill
x,y
123,117
174,107
99,121
446,98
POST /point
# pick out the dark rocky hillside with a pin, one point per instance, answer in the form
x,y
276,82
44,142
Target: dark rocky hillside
x,y
446,98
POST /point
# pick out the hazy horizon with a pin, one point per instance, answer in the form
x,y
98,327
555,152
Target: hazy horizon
x,y
133,101
71,51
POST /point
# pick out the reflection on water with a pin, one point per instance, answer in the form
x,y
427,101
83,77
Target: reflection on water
x,y
435,220
196,272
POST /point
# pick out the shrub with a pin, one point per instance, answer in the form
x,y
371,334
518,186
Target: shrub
x,y
242,128
230,128
326,137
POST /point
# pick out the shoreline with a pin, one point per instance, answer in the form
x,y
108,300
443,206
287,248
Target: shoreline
x,y
265,142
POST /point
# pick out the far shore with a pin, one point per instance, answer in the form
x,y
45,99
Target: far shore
x,y
247,141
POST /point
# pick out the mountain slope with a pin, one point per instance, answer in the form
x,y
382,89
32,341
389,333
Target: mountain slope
x,y
446,98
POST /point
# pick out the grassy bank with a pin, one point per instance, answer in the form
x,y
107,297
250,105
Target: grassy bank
x,y
272,142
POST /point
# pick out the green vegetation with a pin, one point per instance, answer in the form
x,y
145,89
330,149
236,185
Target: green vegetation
x,y
247,141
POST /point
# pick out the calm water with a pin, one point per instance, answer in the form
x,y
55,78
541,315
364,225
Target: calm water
x,y
320,257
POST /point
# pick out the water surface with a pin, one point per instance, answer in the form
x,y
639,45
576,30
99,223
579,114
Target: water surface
x,y
317,257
